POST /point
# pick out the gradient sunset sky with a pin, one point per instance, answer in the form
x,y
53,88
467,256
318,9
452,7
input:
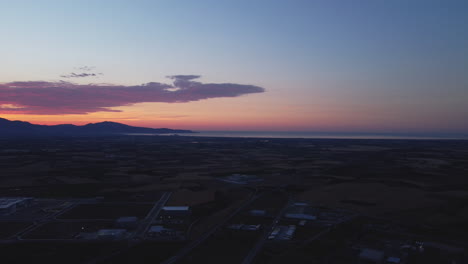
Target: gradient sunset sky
x,y
394,66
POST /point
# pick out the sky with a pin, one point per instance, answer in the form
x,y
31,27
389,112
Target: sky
x,y
383,66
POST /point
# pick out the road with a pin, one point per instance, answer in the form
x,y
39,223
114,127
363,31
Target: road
x,y
44,219
139,233
184,251
149,219
266,232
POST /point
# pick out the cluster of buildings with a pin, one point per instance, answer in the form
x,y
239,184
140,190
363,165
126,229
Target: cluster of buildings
x,y
165,233
173,215
303,211
111,234
171,223
241,179
282,232
298,214
300,211
123,228
382,246
244,227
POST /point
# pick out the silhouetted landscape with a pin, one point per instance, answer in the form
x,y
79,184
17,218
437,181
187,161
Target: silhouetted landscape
x,y
234,132
21,128
345,198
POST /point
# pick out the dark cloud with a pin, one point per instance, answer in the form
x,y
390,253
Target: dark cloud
x,y
80,75
62,97
86,68
183,77
87,73
184,81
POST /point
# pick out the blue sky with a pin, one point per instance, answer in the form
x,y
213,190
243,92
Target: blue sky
x,y
361,65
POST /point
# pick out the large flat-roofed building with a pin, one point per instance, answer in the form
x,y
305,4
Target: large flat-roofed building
x,y
111,234
176,210
9,205
165,233
129,222
160,231
241,179
301,216
174,215
300,211
282,232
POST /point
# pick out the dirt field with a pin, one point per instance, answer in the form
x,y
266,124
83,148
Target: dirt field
x,y
107,211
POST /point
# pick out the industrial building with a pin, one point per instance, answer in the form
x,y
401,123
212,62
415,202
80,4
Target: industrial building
x,y
244,227
257,212
300,211
176,209
282,233
9,205
159,230
301,216
371,256
175,212
393,260
165,233
174,215
241,179
128,222
111,234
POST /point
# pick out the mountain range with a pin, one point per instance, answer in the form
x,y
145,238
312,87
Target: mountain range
x,y
20,128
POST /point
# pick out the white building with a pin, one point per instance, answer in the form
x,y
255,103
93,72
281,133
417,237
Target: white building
x,y
301,216
283,232
127,222
244,227
159,230
274,233
176,208
165,233
175,211
111,234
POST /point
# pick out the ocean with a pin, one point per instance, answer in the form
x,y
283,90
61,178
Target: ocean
x,y
329,135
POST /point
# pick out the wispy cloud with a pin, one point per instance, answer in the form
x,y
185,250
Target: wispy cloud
x,y
55,98
86,68
80,75
86,72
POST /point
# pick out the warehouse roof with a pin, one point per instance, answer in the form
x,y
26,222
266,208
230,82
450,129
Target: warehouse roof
x,y
176,208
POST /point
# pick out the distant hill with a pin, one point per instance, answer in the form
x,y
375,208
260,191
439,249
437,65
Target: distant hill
x,y
20,128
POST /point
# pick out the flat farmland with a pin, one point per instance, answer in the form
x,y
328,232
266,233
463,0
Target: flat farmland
x,y
55,252
107,211
225,246
8,229
66,230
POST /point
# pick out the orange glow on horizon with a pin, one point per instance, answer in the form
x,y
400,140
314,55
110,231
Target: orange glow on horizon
x,y
250,113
